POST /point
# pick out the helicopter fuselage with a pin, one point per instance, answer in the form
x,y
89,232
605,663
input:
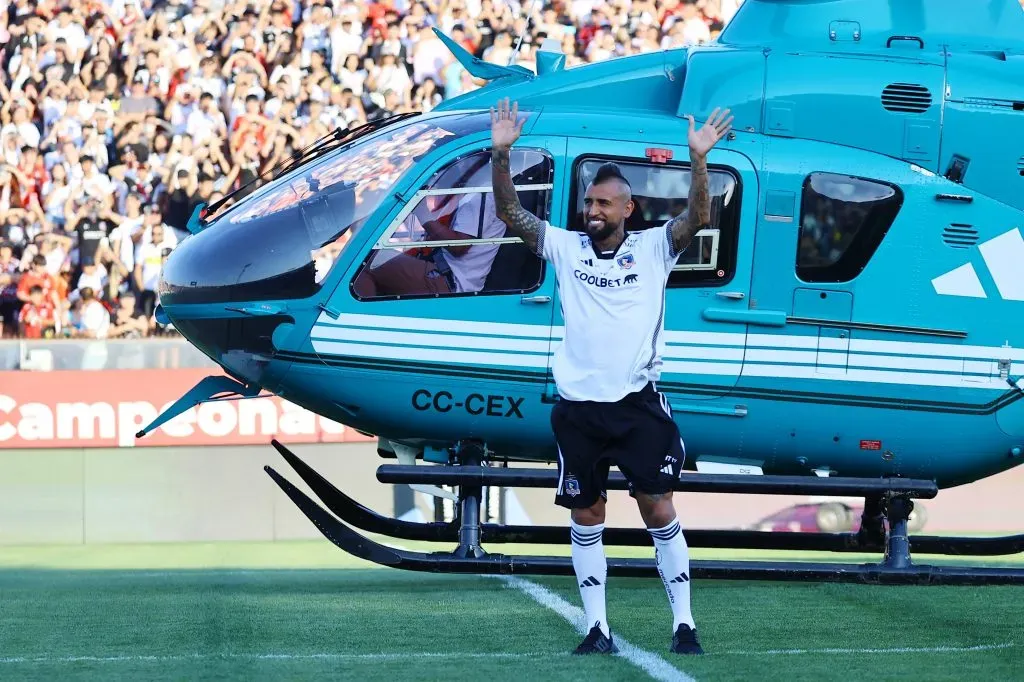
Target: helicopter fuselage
x,y
852,309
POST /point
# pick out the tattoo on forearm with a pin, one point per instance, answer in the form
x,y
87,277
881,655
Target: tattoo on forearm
x,y
520,222
698,210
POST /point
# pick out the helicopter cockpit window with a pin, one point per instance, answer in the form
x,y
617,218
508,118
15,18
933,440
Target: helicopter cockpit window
x,y
281,241
843,220
661,192
448,239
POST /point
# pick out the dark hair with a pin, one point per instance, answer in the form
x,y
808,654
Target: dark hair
x,y
35,289
610,171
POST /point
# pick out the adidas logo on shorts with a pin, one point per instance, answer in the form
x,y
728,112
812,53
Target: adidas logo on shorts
x,y
667,469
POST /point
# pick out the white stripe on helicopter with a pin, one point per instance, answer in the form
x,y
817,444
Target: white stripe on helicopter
x,y
671,366
346,336
452,356
496,330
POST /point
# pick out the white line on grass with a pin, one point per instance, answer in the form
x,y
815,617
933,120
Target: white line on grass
x,y
655,669
266,657
651,663
894,650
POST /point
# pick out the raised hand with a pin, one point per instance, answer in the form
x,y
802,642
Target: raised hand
x,y
717,126
505,124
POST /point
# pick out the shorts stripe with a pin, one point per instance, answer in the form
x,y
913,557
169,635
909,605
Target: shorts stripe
x,y
665,404
561,471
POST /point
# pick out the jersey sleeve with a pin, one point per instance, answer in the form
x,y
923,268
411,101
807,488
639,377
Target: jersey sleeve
x,y
555,242
658,242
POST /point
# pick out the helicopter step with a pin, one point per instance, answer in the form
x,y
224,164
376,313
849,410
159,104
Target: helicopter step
x,y
870,539
705,483
469,556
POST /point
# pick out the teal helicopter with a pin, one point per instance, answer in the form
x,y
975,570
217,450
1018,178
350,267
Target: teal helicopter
x,y
848,324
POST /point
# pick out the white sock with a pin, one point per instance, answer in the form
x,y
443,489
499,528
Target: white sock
x,y
674,567
591,568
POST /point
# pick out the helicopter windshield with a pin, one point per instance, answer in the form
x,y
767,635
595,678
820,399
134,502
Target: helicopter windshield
x,y
281,241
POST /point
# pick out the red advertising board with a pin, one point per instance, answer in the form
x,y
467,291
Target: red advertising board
x,y
107,408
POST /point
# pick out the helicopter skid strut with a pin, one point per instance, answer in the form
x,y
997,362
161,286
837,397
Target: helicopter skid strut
x,y
885,500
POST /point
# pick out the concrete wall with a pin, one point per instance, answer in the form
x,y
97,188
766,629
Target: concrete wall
x,y
169,494
222,493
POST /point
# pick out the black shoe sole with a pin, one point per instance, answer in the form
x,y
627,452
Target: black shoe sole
x,y
613,650
691,652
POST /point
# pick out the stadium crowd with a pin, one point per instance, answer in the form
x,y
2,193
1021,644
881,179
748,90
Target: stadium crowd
x,y
119,116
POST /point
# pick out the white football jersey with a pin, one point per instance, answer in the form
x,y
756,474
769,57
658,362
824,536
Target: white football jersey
x,y
614,311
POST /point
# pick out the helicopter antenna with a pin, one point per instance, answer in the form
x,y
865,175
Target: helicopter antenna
x,y
515,53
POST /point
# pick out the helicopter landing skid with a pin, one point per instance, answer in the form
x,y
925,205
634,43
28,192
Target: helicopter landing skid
x,y
469,557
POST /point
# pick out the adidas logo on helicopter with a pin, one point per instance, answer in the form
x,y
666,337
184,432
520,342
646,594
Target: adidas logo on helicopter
x,y
1003,256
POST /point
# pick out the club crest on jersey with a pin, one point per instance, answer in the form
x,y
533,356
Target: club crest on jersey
x,y
625,261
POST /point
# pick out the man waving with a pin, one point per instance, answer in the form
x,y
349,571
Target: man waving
x,y
612,286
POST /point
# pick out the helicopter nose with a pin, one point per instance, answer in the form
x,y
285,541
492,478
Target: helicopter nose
x,y
240,339
214,288
254,260
262,249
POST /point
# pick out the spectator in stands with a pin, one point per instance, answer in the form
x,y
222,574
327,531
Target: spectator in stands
x,y
10,273
89,318
38,276
149,257
125,321
37,318
118,118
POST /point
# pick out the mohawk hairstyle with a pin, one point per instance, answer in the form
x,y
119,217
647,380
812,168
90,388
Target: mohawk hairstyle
x,y
610,171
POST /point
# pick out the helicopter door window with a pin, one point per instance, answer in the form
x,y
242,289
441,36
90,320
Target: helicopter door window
x,y
448,239
661,192
843,220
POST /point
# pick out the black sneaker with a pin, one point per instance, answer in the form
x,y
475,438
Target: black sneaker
x,y
596,643
685,641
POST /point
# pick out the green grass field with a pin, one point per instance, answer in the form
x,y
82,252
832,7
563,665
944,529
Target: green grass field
x,y
305,610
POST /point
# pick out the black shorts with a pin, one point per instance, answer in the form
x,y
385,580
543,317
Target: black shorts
x,y
636,433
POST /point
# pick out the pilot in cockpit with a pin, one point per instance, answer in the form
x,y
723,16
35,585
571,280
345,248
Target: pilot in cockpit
x,y
449,269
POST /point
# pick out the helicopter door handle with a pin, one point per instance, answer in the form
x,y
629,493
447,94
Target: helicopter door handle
x,y
535,299
891,39
964,198
734,295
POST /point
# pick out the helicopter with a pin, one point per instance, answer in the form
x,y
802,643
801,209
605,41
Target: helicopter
x,y
847,324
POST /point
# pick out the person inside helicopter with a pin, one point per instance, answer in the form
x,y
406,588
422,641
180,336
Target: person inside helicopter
x,y
441,270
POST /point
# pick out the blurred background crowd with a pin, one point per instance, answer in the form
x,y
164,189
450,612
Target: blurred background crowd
x,y
120,116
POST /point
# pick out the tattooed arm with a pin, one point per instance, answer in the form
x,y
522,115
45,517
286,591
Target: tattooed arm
x,y
504,131
520,222
698,210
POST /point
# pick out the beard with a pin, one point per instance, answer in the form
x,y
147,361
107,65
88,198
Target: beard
x,y
601,232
